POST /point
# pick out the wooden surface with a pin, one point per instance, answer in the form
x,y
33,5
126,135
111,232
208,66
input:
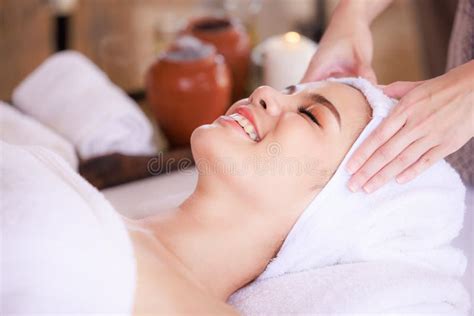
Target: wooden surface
x,y
102,30
25,40
398,52
111,170
119,35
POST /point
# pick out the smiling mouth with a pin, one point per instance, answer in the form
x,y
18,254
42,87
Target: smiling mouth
x,y
246,125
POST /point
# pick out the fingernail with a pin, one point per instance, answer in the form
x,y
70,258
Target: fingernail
x,y
353,186
401,179
351,167
369,188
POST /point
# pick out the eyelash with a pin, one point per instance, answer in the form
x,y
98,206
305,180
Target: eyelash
x,y
305,111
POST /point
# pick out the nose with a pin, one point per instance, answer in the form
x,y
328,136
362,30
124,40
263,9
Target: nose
x,y
267,98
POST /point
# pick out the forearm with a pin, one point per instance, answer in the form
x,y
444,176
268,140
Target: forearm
x,y
362,11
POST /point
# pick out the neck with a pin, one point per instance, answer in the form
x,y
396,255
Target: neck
x,y
223,241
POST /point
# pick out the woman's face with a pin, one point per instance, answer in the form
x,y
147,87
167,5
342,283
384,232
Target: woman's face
x,y
281,146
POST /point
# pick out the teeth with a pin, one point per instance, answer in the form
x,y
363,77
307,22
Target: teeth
x,y
246,125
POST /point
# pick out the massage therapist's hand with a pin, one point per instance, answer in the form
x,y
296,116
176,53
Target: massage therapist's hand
x,y
433,119
346,48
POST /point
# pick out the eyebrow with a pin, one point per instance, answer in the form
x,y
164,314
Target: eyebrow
x,y
317,98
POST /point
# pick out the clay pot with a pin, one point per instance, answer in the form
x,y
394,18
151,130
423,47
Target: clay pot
x,y
187,86
232,41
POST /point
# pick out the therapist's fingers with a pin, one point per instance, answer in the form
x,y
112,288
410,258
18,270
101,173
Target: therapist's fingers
x,y
398,89
404,160
384,155
424,162
377,138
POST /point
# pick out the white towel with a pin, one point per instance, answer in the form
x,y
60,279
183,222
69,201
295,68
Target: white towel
x,y
19,129
64,249
368,288
72,96
412,223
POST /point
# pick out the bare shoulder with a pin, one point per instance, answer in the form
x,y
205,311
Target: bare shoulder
x,y
164,287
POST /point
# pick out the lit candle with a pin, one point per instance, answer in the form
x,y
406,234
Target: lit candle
x,y
63,7
285,58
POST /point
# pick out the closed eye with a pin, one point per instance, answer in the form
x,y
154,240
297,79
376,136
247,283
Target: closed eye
x,y
306,112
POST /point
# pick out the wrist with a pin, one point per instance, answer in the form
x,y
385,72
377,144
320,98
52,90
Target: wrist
x,y
463,75
460,80
361,11
470,67
346,22
350,13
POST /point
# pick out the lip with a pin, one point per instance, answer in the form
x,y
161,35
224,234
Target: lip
x,y
247,113
224,119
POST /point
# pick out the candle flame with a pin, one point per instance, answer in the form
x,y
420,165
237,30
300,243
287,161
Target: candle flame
x,y
292,37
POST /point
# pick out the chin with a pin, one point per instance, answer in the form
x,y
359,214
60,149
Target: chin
x,y
219,150
210,144
202,141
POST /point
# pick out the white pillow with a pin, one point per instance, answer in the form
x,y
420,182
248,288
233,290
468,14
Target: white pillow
x,y
17,128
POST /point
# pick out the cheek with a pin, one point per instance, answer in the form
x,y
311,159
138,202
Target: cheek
x,y
305,152
297,138
295,152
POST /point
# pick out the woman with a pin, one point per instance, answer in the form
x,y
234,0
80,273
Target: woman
x,y
192,258
224,235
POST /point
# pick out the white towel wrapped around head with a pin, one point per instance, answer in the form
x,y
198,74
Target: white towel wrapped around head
x,y
411,223
72,96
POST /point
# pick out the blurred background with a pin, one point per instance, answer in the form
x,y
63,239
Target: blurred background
x,y
235,46
123,37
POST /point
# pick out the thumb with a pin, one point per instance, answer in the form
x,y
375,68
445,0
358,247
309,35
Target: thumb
x,y
366,71
399,89
313,73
